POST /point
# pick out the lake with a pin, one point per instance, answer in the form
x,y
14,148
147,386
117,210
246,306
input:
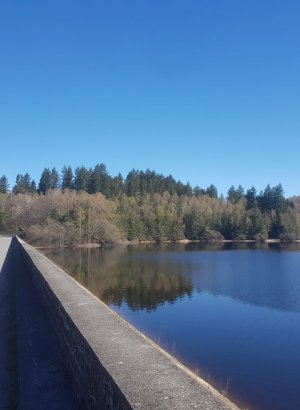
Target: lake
x,y
229,312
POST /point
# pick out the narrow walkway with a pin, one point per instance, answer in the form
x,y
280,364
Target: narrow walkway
x,y
34,376
4,246
9,397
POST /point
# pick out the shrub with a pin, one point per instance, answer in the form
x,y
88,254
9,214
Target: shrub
x,y
288,237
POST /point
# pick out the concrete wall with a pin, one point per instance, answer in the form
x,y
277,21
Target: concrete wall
x,y
114,366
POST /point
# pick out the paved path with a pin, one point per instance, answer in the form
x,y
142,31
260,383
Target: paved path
x,y
4,245
34,376
8,374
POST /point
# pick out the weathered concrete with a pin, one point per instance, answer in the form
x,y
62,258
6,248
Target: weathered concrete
x,y
113,364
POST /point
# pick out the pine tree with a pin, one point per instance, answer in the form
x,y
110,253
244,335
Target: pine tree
x,y
67,178
234,195
212,191
100,181
54,179
188,190
280,204
22,184
3,185
240,192
82,178
265,200
197,191
45,181
117,185
170,184
132,182
251,198
32,187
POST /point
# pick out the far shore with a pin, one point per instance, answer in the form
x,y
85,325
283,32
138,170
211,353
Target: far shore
x,y
180,241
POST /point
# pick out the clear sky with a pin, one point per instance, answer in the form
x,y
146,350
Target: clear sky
x,y
207,90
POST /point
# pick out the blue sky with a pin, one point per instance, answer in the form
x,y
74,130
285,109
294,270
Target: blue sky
x,y
207,90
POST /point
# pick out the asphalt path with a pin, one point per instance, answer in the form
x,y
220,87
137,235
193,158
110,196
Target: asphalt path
x,y
8,347
33,375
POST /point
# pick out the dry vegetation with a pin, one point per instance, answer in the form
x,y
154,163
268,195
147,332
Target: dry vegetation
x,y
68,218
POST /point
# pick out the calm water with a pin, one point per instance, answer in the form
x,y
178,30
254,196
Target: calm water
x,y
232,313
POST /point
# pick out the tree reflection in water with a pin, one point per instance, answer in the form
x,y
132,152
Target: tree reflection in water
x,y
117,275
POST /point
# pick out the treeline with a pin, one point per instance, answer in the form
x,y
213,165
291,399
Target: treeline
x,y
91,206
97,179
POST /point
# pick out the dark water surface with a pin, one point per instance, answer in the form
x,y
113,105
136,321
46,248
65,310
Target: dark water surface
x,y
231,312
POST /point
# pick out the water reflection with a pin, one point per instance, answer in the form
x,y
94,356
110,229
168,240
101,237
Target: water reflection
x,y
147,276
116,276
267,279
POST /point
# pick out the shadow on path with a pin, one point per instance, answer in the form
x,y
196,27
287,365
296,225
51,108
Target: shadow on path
x,y
34,375
9,374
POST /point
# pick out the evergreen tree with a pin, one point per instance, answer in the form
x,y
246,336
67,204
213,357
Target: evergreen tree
x,y
256,224
251,198
188,190
197,191
240,192
117,185
170,184
4,185
100,180
82,178
231,194
23,183
149,176
265,200
132,182
280,204
235,195
67,178
179,188
32,188
212,191
143,183
45,181
277,227
195,225
54,179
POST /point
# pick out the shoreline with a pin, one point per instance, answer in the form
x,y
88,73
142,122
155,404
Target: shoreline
x,y
149,242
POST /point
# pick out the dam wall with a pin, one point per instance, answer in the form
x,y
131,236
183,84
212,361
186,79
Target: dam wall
x,y
112,364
